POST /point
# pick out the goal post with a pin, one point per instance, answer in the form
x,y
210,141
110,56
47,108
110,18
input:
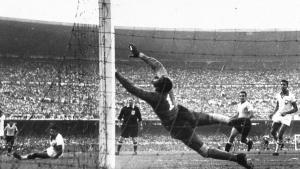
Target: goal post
x,y
297,141
107,87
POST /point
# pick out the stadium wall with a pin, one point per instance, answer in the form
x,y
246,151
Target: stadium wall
x,y
90,128
24,38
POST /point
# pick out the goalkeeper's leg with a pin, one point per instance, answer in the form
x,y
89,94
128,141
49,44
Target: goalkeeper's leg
x,y
207,119
196,144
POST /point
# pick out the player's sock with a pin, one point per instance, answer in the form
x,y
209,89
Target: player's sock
x,y
228,146
9,149
119,147
276,149
135,147
250,144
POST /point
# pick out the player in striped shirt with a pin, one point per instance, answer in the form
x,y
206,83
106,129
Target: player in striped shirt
x,y
244,110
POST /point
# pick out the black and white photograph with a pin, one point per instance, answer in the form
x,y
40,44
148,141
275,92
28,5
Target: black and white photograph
x,y
149,84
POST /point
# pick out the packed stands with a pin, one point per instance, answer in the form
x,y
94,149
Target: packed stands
x,y
67,89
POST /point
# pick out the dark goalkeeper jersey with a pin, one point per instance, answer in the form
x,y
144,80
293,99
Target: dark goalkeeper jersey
x,y
157,101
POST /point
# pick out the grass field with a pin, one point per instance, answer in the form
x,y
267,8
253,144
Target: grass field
x,y
70,160
191,160
156,160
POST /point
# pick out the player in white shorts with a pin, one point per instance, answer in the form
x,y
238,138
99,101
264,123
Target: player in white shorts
x,y
283,114
55,150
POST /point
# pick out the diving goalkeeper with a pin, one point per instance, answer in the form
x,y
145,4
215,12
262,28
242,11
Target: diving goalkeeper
x,y
177,119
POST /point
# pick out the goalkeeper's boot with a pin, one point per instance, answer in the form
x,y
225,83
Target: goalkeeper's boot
x,y
242,160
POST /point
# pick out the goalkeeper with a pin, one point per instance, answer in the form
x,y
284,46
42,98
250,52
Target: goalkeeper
x,y
178,120
54,151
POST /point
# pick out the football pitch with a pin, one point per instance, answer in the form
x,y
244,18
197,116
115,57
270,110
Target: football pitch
x,y
156,160
191,160
70,160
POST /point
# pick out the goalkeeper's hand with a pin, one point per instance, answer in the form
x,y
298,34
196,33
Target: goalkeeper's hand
x,y
134,51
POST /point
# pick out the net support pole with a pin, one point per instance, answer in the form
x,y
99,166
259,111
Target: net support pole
x,y
107,87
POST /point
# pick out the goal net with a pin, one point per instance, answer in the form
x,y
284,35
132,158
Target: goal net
x,y
50,76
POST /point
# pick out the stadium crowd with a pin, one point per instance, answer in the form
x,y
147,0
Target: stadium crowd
x,y
43,89
215,89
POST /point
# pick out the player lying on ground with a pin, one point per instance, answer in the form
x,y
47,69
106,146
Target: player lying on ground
x,y
54,151
178,120
244,110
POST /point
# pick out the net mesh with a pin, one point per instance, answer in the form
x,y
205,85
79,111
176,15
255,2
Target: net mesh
x,y
50,77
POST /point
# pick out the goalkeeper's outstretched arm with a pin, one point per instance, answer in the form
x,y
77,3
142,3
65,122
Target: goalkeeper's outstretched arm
x,y
155,65
159,70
